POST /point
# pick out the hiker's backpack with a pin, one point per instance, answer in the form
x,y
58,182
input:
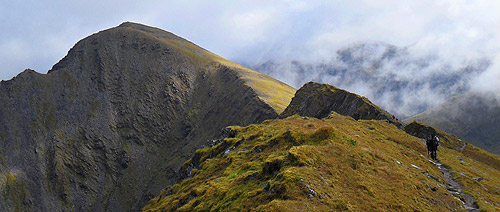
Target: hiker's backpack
x,y
435,142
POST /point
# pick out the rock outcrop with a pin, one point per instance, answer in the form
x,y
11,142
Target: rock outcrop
x,y
319,100
449,141
421,131
109,125
474,117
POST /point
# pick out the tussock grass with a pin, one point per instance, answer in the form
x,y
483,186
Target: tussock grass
x,y
334,164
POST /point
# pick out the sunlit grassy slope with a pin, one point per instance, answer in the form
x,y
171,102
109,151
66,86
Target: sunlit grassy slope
x,y
333,164
273,92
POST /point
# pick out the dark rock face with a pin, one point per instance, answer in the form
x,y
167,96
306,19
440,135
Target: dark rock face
x,y
319,100
421,130
107,128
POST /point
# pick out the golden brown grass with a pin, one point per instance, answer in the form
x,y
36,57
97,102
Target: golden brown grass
x,y
273,92
335,164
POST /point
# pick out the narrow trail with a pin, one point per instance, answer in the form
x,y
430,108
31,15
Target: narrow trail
x,y
461,149
455,188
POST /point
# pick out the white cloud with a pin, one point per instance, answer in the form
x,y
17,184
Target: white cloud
x,y
254,31
489,81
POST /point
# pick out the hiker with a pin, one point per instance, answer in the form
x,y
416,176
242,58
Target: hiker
x,y
428,142
434,144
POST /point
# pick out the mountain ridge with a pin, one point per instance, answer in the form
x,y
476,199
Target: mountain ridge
x,y
349,162
472,116
108,126
333,164
134,109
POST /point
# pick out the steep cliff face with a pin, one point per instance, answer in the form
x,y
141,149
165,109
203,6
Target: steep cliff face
x,y
109,125
319,100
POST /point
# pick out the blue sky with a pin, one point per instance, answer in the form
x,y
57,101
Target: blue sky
x,y
36,34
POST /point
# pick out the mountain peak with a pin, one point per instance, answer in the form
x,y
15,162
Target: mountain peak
x,y
131,94
156,46
156,32
130,24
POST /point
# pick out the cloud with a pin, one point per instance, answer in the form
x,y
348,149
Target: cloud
x,y
40,33
489,81
395,78
37,34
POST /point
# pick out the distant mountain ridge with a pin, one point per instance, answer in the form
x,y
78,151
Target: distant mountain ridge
x,y
110,124
408,85
471,116
396,78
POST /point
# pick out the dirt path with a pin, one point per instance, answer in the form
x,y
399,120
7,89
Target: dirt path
x,y
461,149
455,188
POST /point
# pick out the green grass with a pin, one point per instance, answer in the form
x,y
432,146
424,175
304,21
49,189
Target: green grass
x,y
301,163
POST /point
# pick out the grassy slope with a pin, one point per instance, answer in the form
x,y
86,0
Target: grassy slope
x,y
336,164
468,163
273,92
470,116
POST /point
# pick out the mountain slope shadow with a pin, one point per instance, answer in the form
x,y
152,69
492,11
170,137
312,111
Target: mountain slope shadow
x,y
110,124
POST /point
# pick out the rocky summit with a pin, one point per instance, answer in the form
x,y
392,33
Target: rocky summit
x,y
107,128
319,100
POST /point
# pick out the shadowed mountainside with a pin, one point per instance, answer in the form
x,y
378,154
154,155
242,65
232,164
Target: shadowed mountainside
x,y
110,124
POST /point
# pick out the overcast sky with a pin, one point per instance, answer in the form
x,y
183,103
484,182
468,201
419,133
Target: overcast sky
x,y
37,34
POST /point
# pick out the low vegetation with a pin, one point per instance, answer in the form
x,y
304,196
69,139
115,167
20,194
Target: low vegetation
x,y
273,92
333,164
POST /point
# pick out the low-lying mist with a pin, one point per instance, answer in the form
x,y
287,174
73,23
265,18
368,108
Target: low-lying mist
x,y
403,80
